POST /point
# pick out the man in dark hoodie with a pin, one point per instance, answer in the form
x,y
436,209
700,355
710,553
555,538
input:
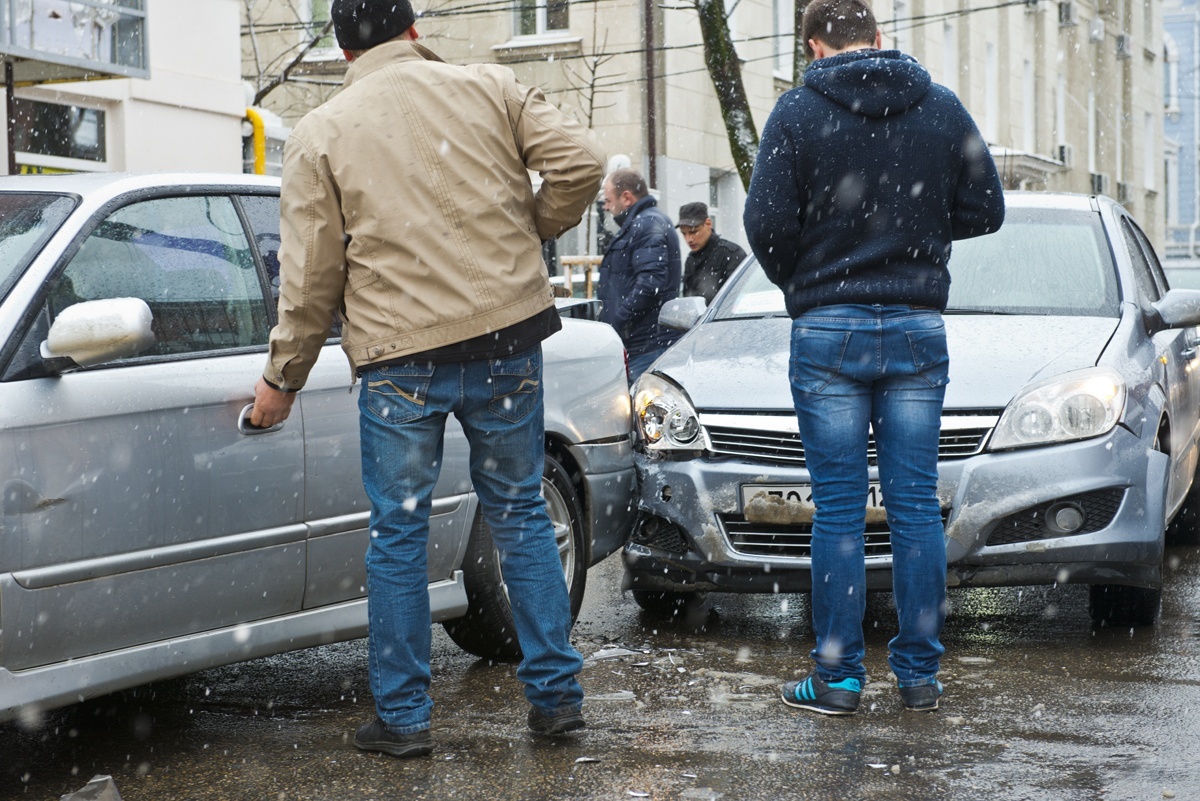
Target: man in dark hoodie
x,y
864,177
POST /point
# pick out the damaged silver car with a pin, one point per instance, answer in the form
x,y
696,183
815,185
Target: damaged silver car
x,y
1068,442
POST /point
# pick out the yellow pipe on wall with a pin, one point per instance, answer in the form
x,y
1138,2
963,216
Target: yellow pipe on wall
x,y
258,139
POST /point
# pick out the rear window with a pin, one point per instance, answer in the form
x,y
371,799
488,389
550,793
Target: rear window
x,y
26,222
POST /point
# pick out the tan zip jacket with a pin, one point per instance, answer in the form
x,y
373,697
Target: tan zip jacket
x,y
407,202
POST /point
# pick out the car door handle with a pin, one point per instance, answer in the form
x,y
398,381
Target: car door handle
x,y
248,428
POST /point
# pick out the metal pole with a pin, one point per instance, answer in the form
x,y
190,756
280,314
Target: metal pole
x,y
10,112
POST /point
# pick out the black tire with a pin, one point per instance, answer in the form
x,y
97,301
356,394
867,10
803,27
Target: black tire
x,y
666,604
1120,605
487,630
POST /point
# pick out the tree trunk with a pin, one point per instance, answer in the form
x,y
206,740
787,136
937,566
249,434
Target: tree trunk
x,y
725,69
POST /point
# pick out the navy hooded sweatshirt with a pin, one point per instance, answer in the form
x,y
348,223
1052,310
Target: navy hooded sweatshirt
x,y
864,176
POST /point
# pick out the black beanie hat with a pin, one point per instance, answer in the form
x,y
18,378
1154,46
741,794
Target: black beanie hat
x,y
362,24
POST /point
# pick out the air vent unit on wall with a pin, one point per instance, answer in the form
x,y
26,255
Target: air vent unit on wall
x,y
1095,30
1068,13
1066,154
1124,46
1124,192
1100,185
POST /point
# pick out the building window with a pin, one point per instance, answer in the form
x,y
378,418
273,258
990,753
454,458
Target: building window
x,y
1093,130
991,94
536,17
318,15
784,39
950,57
1029,103
1170,74
50,136
902,25
1171,181
1149,162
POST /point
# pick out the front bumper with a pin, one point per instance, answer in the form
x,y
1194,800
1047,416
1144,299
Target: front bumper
x,y
682,541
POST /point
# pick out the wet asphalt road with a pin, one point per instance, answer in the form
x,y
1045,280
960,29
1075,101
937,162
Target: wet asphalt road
x,y
1038,706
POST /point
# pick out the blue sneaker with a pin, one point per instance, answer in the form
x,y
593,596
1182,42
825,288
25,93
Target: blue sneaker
x,y
922,698
828,698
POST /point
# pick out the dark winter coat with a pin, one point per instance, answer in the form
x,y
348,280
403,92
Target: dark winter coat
x,y
640,272
864,177
707,269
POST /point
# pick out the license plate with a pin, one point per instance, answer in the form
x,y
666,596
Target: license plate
x,y
793,503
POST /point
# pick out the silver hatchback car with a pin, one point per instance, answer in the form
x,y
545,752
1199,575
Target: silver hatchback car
x,y
146,530
1069,435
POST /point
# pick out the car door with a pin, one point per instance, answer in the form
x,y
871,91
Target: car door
x,y
1179,352
134,509
335,504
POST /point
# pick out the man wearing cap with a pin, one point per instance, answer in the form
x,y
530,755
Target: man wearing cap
x,y
406,203
712,259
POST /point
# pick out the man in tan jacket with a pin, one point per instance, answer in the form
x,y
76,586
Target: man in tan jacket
x,y
407,204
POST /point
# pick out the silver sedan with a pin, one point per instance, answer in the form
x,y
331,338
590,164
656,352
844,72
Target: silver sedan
x,y
1068,442
146,530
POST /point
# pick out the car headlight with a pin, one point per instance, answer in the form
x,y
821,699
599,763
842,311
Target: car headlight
x,y
665,417
1076,405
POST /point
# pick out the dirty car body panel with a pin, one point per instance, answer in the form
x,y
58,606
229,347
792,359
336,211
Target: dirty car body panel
x,y
145,530
1058,317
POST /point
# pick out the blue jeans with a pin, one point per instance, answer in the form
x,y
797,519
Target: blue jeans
x,y
886,366
402,418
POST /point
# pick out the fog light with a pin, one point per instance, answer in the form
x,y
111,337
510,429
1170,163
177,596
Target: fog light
x,y
1064,518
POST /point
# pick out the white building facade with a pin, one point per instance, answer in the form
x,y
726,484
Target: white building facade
x,y
1067,94
186,116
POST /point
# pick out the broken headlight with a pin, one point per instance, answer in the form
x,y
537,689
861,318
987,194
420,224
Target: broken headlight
x,y
665,417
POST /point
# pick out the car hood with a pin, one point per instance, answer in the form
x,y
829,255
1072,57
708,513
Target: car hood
x,y
743,364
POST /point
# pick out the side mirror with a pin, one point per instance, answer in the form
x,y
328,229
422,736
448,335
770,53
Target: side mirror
x,y
682,313
1179,308
98,331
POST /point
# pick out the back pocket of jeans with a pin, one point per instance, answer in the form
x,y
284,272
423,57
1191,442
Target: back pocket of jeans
x,y
397,394
817,357
516,385
929,354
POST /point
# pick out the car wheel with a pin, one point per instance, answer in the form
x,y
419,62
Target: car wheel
x,y
487,629
1185,528
668,604
1120,605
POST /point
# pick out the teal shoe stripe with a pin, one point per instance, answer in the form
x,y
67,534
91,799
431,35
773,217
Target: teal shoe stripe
x,y
853,685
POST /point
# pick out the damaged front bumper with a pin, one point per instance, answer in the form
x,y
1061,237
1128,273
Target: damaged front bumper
x,y
1086,512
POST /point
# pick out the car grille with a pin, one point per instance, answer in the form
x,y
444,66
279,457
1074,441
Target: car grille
x,y
795,541
766,438
1098,508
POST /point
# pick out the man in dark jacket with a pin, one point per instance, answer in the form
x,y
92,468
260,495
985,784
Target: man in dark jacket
x,y
712,259
640,270
864,176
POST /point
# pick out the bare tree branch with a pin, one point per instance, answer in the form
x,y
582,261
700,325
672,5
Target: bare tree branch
x,y
282,78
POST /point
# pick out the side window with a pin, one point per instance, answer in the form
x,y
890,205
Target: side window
x,y
262,212
1160,278
1147,287
188,258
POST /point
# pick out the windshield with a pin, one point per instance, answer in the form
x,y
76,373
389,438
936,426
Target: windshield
x,y
1041,262
26,222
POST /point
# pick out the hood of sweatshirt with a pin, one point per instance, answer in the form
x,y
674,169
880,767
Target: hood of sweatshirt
x,y
874,83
